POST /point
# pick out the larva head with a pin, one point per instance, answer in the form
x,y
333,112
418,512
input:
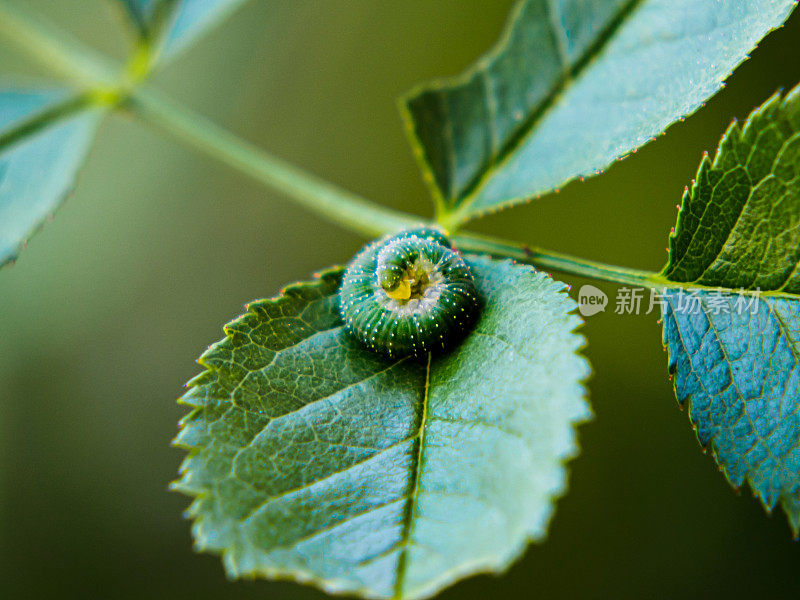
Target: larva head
x,y
404,267
409,294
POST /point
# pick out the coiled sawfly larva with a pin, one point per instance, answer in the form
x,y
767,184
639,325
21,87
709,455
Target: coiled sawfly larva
x,y
409,294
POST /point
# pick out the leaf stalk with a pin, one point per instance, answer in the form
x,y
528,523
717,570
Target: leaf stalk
x,y
330,201
556,261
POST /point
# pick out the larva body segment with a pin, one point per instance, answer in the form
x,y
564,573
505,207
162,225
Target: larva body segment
x,y
409,294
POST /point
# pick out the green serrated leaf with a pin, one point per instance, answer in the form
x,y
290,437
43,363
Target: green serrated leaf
x,y
739,224
313,459
177,23
735,356
571,87
44,138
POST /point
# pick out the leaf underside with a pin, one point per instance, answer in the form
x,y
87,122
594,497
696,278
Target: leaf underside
x,y
735,357
737,371
313,459
44,138
571,87
175,24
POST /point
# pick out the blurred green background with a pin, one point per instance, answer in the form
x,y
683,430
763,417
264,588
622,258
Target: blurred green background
x,y
103,315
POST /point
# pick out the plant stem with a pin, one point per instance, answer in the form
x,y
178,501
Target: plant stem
x,y
334,203
54,49
557,261
581,267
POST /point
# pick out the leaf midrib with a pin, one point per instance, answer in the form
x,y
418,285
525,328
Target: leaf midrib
x,y
408,526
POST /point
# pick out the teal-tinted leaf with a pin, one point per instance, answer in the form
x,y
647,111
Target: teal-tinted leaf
x,y
174,24
571,87
44,138
735,366
735,357
313,459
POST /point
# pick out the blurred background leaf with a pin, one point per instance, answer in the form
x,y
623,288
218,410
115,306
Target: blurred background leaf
x,y
44,137
172,25
104,312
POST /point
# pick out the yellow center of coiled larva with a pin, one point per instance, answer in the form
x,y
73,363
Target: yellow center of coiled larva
x,y
413,282
402,291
